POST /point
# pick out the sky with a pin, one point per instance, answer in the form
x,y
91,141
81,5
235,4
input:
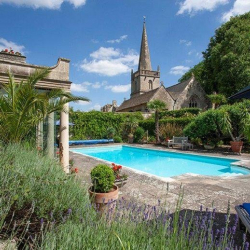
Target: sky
x,y
102,38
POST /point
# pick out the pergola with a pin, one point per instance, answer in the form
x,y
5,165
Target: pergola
x,y
57,79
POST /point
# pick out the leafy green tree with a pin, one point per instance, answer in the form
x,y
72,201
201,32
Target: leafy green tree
x,y
22,106
217,100
227,58
197,70
131,124
157,106
225,68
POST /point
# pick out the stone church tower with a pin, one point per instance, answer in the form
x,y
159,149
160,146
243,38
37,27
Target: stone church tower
x,y
145,79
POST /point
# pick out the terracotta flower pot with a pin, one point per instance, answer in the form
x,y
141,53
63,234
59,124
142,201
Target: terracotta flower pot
x,y
130,139
236,146
102,199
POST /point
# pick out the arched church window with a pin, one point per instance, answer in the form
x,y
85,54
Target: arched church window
x,y
150,83
193,102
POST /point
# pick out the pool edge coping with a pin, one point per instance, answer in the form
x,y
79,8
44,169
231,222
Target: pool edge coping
x,y
173,178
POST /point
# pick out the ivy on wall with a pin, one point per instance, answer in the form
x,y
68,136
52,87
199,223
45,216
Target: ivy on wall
x,y
94,124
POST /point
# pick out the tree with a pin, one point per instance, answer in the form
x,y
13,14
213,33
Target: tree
x,y
217,100
197,70
227,58
157,106
22,106
225,68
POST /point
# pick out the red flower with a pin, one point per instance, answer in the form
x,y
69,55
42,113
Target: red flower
x,y
76,170
113,164
6,50
119,167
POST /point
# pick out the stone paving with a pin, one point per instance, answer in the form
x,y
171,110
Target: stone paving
x,y
198,190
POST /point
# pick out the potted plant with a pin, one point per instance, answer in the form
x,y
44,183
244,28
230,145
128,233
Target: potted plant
x,y
120,178
103,189
130,138
129,127
236,122
208,143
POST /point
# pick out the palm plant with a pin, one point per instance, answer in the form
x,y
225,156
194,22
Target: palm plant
x,y
22,106
157,106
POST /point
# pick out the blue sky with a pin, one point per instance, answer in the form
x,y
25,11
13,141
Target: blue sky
x,y
102,38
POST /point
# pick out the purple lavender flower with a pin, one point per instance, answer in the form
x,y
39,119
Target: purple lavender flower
x,y
41,221
201,208
69,211
246,247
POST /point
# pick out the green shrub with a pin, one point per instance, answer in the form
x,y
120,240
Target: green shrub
x,y
139,134
210,125
102,177
150,124
110,132
186,112
28,178
169,130
206,126
117,139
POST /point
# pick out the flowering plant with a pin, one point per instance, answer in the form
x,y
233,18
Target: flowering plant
x,y
11,51
117,172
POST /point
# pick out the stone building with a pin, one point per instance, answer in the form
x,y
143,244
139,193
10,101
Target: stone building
x,y
146,87
110,107
58,78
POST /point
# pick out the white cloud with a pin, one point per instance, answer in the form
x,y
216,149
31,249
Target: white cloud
x,y
80,87
110,62
187,43
4,44
193,6
240,7
97,107
105,53
50,4
84,87
84,103
98,85
119,88
121,38
179,70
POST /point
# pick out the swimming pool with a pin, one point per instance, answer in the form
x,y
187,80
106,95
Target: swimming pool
x,y
163,163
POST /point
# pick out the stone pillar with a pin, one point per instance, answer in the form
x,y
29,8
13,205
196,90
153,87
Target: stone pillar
x,y
39,136
51,135
64,139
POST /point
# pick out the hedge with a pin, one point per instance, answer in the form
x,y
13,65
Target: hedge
x,y
94,124
186,112
150,124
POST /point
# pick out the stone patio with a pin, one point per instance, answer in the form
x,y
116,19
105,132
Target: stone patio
x,y
198,190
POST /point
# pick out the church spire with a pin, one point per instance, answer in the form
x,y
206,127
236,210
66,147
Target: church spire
x,y
144,61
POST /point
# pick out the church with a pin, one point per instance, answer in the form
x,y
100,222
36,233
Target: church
x,y
146,87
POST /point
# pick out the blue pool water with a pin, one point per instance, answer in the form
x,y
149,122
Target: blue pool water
x,y
162,163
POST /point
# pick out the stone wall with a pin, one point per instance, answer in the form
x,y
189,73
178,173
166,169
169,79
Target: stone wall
x,y
12,57
193,89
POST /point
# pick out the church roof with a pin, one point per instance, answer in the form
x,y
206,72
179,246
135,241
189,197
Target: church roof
x,y
138,100
144,61
178,88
